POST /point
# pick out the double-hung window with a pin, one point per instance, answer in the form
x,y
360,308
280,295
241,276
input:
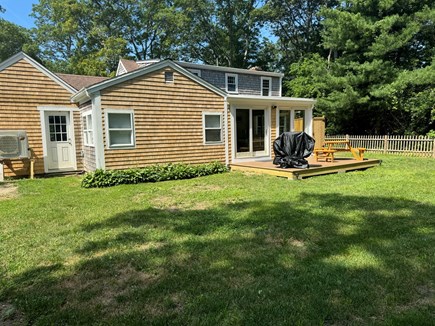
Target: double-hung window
x,y
266,86
120,128
212,122
232,83
88,134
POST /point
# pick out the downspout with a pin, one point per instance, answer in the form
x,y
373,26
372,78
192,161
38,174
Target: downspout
x,y
227,153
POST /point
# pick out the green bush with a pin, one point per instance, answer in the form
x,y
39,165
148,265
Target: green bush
x,y
153,173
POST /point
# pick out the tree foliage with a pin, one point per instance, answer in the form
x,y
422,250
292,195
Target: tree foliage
x,y
224,32
13,39
297,25
378,76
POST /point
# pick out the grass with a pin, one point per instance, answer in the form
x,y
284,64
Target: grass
x,y
231,249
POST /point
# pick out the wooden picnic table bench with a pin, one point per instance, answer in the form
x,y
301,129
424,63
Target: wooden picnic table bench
x,y
344,146
324,153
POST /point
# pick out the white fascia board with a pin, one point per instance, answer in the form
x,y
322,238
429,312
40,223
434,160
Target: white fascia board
x,y
81,97
86,93
21,55
228,69
271,100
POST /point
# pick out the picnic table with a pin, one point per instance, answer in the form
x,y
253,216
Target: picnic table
x,y
330,147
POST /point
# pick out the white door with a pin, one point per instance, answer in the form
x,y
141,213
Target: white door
x,y
60,149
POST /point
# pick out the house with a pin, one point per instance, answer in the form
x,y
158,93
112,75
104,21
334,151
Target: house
x,y
156,111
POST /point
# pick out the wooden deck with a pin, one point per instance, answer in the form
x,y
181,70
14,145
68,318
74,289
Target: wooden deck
x,y
340,165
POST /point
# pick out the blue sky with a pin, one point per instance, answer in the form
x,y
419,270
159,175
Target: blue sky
x,y
18,11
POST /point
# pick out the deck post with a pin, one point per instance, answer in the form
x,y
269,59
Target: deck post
x,y
2,176
433,149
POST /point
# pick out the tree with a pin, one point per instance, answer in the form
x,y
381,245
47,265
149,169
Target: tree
x,y
224,32
297,24
378,74
13,39
89,36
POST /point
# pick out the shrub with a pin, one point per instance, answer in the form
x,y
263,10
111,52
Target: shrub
x,y
153,173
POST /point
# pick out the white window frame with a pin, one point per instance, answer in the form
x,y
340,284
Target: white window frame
x,y
196,72
204,114
86,131
270,85
236,82
106,120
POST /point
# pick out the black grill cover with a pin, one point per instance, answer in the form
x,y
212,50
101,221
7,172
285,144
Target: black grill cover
x,y
291,149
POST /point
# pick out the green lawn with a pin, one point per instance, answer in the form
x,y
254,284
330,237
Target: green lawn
x,y
231,249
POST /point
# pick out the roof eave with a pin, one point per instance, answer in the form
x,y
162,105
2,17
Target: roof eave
x,y
230,69
273,100
146,70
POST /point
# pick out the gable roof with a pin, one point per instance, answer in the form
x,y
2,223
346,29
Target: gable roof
x,y
80,81
22,56
85,93
125,66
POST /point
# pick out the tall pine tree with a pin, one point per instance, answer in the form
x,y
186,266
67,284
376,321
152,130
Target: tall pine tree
x,y
378,76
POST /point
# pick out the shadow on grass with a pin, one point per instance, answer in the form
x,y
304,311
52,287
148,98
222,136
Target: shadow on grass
x,y
330,259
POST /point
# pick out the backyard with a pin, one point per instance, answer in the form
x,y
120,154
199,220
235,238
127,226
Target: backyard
x,y
229,249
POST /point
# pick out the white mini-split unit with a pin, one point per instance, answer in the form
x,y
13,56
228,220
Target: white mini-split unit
x,y
14,144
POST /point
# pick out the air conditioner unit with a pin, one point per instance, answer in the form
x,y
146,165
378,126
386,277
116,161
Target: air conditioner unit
x,y
14,144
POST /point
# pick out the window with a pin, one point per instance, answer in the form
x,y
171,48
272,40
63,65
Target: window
x,y
169,77
284,121
266,86
212,127
88,135
231,83
196,72
57,125
120,131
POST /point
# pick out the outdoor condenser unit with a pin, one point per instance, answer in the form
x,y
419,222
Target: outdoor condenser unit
x,y
14,144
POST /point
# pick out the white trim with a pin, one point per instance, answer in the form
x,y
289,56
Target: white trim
x,y
42,114
270,85
267,132
227,154
205,142
57,108
236,82
229,69
22,56
196,72
280,86
132,145
271,100
309,121
86,115
100,162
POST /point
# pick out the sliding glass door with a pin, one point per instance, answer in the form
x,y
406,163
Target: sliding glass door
x,y
251,133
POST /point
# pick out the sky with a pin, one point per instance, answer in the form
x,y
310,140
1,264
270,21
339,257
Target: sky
x,y
18,11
